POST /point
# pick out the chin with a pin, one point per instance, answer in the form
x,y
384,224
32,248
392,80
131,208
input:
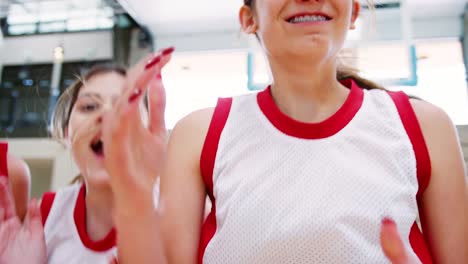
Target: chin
x,y
314,49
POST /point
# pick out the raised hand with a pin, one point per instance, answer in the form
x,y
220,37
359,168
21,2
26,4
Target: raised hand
x,y
134,148
392,244
134,153
20,242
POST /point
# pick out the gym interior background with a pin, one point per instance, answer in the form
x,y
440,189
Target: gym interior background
x,y
418,46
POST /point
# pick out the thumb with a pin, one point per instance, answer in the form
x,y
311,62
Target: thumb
x,y
392,244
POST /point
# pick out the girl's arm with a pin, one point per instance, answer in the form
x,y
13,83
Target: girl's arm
x,y
444,205
182,199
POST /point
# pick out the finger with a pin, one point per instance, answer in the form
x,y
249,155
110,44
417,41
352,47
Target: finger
x,y
157,106
149,79
115,139
154,67
392,244
117,144
139,80
6,200
30,212
132,119
84,135
132,76
86,131
33,220
147,62
137,69
114,261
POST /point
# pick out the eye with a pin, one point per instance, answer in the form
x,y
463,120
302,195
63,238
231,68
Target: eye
x,y
89,107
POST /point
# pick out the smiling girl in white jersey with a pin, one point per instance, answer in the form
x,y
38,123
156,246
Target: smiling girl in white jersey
x,y
302,172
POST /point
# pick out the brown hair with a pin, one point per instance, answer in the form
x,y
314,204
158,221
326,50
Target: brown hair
x,y
66,102
343,71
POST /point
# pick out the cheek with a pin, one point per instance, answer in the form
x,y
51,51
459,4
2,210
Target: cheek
x,y
72,125
78,126
345,10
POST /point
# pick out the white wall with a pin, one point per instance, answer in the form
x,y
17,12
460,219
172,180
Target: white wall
x,y
423,28
39,48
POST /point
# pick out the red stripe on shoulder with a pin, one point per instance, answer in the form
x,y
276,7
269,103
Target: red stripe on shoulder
x,y
423,166
210,147
3,159
46,205
413,129
419,245
207,162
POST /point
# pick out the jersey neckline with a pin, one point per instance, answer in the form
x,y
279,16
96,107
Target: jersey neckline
x,y
80,221
324,129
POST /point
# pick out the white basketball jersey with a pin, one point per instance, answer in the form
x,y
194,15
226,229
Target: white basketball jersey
x,y
284,191
65,231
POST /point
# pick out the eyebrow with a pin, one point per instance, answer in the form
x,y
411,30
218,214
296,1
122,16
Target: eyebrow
x,y
95,96
88,94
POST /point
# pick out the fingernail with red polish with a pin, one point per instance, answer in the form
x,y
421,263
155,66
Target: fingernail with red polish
x,y
388,221
153,62
167,51
135,95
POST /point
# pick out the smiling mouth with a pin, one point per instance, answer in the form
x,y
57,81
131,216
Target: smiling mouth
x,y
308,18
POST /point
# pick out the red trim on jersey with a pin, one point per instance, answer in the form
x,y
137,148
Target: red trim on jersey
x,y
207,161
46,205
423,165
418,243
3,159
79,216
324,129
411,124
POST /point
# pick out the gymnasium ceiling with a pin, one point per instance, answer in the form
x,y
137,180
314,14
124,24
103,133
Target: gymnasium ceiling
x,y
164,16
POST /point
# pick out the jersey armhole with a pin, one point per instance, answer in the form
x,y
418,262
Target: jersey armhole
x,y
46,205
210,146
413,129
423,167
207,163
3,159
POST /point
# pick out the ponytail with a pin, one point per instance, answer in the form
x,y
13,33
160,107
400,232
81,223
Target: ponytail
x,y
346,72
77,179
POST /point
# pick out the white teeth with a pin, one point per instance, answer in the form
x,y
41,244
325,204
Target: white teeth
x,y
302,19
